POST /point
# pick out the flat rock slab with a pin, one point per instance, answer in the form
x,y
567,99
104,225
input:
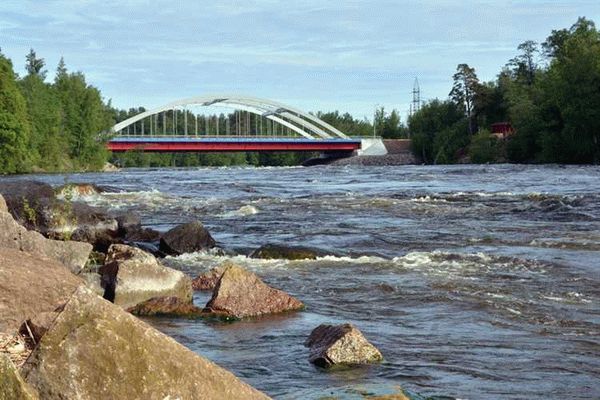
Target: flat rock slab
x,y
240,294
12,385
340,344
166,306
95,350
140,277
186,238
31,284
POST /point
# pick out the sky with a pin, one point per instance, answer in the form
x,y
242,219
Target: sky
x,y
316,55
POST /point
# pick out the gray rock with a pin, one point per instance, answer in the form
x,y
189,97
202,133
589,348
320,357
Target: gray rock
x,y
95,350
186,238
140,277
340,344
72,254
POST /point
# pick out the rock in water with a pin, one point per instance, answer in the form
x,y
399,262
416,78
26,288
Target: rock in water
x,y
340,344
240,294
275,251
186,238
31,284
208,280
95,350
166,306
12,386
140,277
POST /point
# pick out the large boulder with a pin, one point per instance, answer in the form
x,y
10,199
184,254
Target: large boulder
x,y
95,350
72,254
186,238
36,206
208,280
138,276
275,251
29,285
166,306
240,294
12,385
340,344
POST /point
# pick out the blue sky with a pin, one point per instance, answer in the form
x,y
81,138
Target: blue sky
x,y
316,55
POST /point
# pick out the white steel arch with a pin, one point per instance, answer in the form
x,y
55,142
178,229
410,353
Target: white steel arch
x,y
304,124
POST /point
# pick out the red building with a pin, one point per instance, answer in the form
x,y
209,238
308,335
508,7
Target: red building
x,y
502,130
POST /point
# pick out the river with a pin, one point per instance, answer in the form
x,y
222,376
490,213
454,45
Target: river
x,y
478,282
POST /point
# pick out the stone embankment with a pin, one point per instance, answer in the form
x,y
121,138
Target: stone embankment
x,y
67,308
77,344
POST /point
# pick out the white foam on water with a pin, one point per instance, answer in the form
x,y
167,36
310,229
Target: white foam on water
x,y
243,211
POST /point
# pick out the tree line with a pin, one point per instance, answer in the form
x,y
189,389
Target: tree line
x,y
549,93
50,126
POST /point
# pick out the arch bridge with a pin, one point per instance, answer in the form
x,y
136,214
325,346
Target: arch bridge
x,y
248,124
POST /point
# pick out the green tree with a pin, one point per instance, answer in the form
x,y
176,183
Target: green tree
x,y
438,130
34,65
483,148
464,91
15,155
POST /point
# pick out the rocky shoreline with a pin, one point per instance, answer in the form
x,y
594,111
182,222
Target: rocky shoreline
x,y
73,279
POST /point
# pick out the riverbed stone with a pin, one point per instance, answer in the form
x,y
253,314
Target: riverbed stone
x,y
140,277
208,280
72,254
240,294
166,306
35,327
340,344
276,251
31,284
96,350
186,238
12,385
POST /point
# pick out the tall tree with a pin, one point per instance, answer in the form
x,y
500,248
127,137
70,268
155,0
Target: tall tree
x,y
524,65
464,91
34,65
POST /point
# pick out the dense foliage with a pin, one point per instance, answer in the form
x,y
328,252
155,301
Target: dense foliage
x,y
549,93
49,126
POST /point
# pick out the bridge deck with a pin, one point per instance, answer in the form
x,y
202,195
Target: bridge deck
x,y
230,143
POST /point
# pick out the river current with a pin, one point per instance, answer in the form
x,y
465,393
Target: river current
x,y
475,282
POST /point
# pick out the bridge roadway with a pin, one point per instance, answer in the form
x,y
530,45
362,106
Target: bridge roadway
x,y
229,143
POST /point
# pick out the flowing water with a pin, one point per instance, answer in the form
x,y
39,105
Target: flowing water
x,y
478,282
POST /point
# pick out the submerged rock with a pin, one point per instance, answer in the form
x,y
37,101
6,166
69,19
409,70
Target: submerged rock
x,y
136,276
72,254
275,251
95,350
240,294
186,238
31,284
12,385
208,280
340,344
166,306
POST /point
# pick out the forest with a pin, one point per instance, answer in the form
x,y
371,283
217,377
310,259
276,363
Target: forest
x,y
549,93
